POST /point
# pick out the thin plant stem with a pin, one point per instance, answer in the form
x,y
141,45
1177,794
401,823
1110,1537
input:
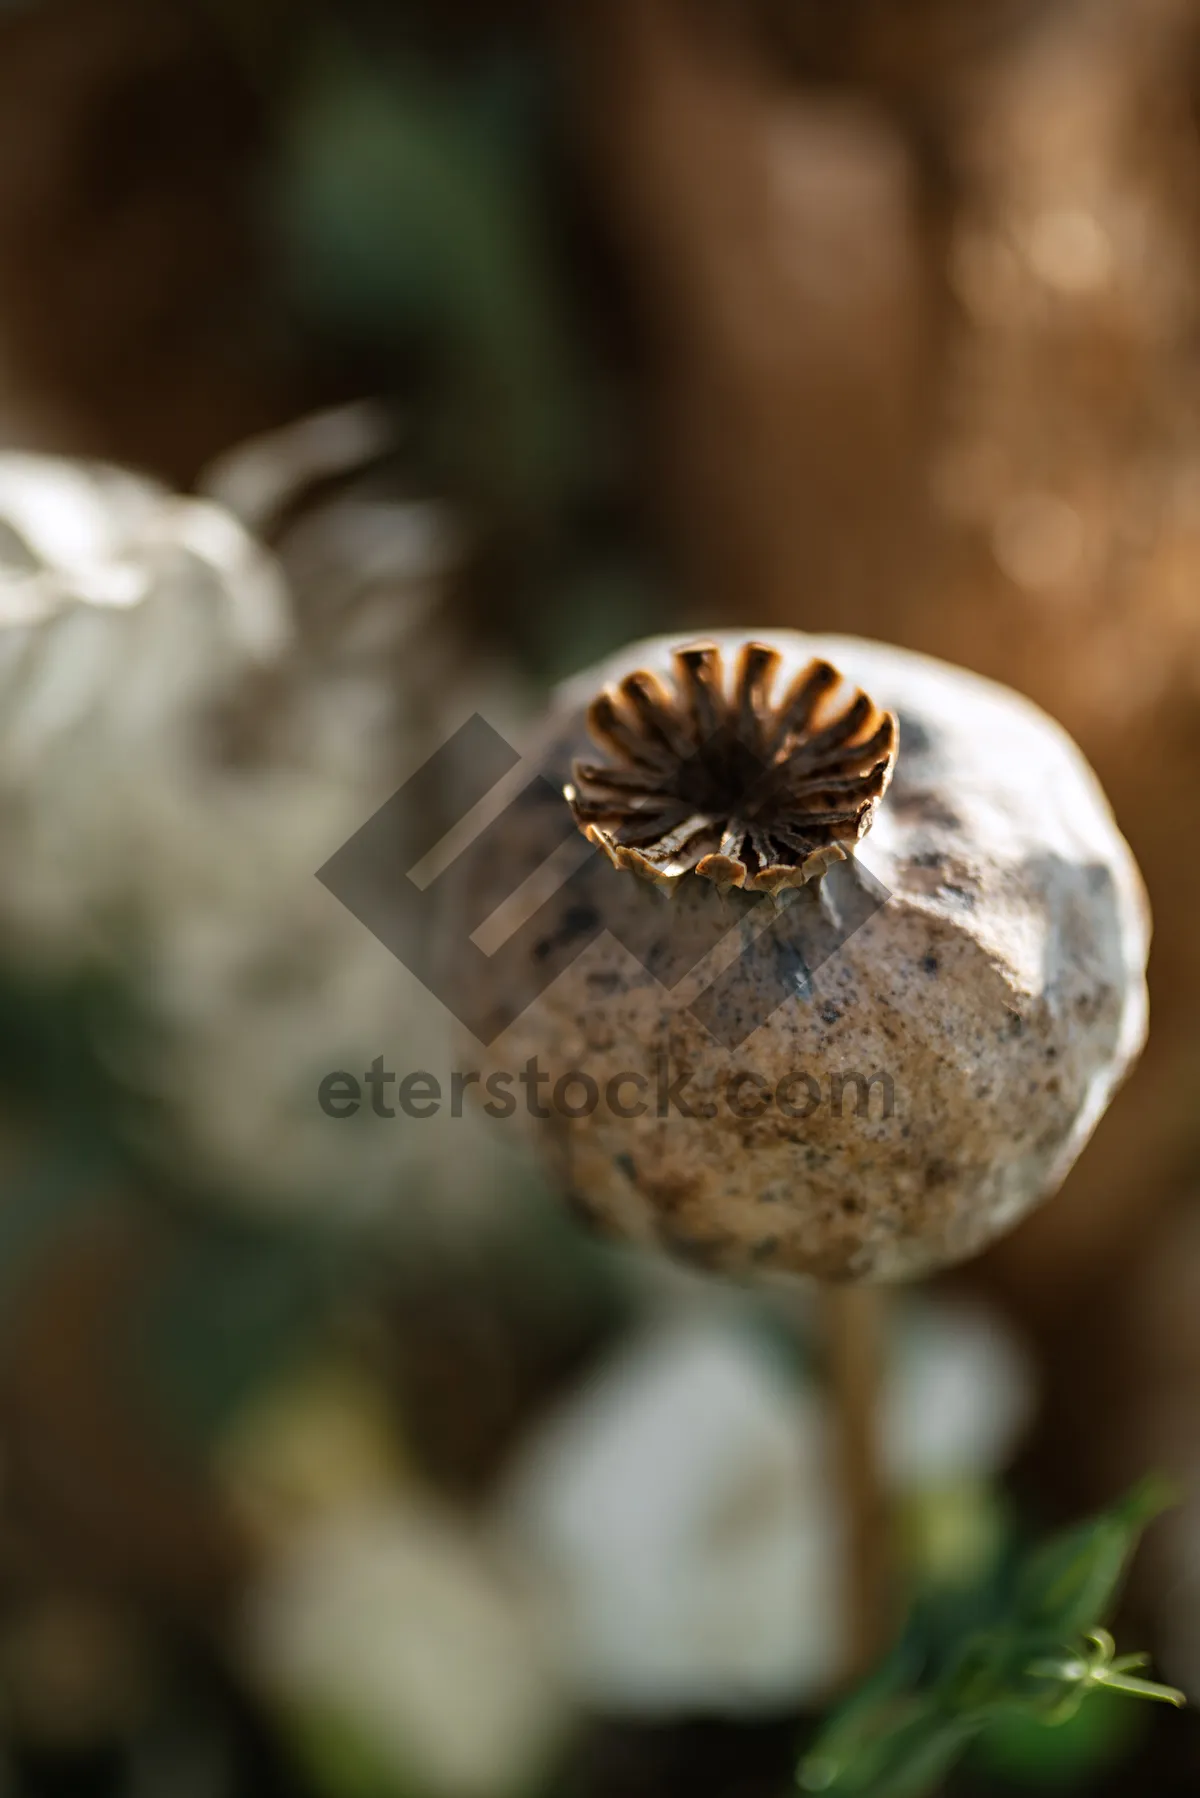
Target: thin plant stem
x,y
854,1318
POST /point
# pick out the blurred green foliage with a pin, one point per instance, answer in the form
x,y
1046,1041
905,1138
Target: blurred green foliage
x,y
408,204
1036,1655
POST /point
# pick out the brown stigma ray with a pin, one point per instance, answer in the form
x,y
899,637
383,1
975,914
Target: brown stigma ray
x,y
727,780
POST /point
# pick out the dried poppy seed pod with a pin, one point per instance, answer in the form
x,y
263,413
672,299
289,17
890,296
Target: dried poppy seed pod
x,y
867,1077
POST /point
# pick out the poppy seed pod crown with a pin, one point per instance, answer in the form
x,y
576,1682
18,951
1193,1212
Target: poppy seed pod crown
x,y
745,787
768,1040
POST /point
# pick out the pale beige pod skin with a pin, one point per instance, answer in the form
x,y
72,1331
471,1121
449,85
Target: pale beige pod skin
x,y
869,1103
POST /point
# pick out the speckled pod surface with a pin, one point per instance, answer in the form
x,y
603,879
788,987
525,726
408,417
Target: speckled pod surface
x,y
864,1078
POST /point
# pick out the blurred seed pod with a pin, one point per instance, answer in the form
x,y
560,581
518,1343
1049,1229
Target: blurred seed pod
x,y
190,725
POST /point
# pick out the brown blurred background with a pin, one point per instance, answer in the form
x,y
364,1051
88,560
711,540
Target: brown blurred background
x,y
881,317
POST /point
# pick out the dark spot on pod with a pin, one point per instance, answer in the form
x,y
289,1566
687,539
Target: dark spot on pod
x,y
705,1251
586,1211
670,1193
914,738
578,920
924,807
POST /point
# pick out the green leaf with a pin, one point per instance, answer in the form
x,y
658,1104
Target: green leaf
x,y
1072,1582
1041,1655
901,1758
1018,1748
